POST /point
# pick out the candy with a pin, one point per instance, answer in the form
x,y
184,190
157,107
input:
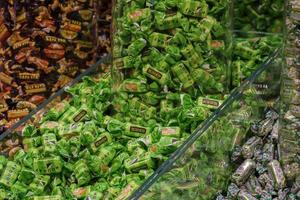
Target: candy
x,y
243,171
47,166
250,146
10,174
193,8
277,173
82,173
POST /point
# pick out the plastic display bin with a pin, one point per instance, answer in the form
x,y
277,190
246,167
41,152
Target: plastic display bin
x,y
201,168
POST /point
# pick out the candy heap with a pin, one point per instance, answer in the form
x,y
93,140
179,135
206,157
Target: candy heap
x,y
177,46
43,46
250,51
260,175
290,96
87,147
261,16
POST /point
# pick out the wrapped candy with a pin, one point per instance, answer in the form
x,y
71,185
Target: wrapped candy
x,y
170,131
209,102
159,40
244,171
133,130
10,174
102,139
48,141
250,146
135,164
277,173
183,75
39,183
170,21
134,86
136,47
193,8
82,173
161,77
47,166
194,59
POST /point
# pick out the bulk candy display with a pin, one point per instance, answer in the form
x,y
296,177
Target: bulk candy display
x,y
261,176
86,143
179,67
179,46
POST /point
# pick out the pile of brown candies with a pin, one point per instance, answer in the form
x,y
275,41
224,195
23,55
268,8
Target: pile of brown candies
x,y
260,174
43,46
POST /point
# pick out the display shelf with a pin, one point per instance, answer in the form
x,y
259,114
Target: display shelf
x,y
201,167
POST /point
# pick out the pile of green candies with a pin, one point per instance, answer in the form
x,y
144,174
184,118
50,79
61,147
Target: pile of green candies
x,y
97,146
249,52
172,45
262,15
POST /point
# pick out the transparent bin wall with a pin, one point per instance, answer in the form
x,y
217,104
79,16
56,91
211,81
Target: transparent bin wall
x,y
258,28
202,167
44,46
259,16
250,49
13,137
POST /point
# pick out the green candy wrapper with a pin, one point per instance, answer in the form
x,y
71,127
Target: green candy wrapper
x,y
156,75
118,161
54,113
193,8
183,75
133,130
74,114
139,14
136,47
26,176
194,59
106,155
209,102
170,21
159,40
134,86
19,188
170,132
134,164
39,183
10,174
81,192
166,145
48,166
33,142
49,141
101,140
82,173
206,80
